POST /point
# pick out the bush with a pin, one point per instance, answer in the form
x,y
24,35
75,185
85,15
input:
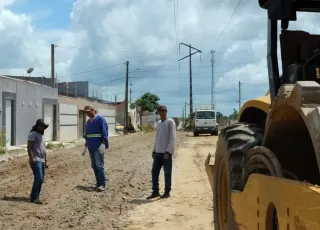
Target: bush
x,y
147,128
3,141
49,146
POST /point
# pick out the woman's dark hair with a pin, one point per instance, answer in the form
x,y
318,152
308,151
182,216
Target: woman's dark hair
x,y
34,128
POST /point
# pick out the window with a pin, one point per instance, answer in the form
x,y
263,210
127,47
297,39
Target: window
x,y
205,115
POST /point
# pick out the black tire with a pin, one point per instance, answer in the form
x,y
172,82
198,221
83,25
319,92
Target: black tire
x,y
195,134
233,144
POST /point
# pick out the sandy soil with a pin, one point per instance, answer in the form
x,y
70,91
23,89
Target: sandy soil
x,y
71,203
69,199
190,206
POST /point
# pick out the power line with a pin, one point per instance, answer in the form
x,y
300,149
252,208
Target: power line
x,y
92,70
175,25
235,9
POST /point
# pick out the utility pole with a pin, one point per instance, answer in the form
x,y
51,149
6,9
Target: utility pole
x,y
190,69
126,118
239,96
115,98
213,99
185,112
52,65
130,94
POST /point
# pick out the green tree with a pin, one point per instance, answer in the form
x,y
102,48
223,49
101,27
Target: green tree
x,y
234,115
148,102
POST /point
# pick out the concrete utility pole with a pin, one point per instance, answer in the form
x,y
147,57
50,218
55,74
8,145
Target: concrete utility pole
x,y
126,117
115,98
190,69
52,65
239,96
130,94
213,99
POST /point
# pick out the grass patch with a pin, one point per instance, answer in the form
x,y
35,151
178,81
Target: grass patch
x,y
3,141
147,128
50,146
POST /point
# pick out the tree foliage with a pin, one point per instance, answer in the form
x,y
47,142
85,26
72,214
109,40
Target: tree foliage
x,y
148,102
234,115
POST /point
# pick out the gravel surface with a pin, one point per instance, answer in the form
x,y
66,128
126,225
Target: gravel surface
x,y
70,201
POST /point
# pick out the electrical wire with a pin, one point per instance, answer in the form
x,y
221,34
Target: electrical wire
x,y
235,10
92,70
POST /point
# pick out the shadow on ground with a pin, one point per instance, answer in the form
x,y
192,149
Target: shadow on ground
x,y
142,201
86,188
16,199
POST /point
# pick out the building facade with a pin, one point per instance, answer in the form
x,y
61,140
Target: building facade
x,y
72,118
21,104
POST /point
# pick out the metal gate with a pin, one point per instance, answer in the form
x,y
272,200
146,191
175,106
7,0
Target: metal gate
x,y
48,119
9,119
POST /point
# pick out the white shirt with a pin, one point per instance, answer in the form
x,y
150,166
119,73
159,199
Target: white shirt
x,y
165,137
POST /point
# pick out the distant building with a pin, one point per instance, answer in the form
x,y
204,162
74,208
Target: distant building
x,y
80,89
150,118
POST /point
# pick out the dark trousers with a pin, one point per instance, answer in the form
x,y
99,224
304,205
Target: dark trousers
x,y
38,170
97,164
158,162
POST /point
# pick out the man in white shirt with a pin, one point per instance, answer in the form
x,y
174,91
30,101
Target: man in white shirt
x,y
162,153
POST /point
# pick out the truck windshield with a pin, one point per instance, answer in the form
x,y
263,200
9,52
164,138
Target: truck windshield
x,y
205,115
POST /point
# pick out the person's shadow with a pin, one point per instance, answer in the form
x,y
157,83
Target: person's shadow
x,y
16,199
86,188
142,201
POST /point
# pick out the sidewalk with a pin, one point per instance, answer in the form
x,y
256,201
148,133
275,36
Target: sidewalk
x,y
21,150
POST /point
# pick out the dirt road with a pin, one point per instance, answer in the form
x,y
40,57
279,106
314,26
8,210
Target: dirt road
x,y
71,202
190,206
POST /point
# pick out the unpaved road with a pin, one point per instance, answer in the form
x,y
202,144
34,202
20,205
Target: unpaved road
x,y
190,206
71,202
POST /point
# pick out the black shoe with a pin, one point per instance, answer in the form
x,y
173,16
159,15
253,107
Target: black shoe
x,y
165,195
153,195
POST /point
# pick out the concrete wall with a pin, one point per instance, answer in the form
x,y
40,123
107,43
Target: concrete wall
x,y
68,122
79,89
95,91
109,116
29,99
108,111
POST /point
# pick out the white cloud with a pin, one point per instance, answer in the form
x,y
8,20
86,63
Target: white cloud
x,y
105,32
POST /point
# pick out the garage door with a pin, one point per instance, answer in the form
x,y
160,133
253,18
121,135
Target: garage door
x,y
48,119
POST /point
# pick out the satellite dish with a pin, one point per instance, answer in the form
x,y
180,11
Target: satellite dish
x,y
132,106
30,70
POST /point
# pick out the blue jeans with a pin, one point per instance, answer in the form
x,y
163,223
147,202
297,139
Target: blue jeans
x,y
158,162
97,164
38,170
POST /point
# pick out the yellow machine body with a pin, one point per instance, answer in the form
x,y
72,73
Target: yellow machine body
x,y
292,132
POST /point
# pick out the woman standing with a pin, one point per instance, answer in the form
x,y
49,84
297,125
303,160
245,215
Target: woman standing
x,y
37,158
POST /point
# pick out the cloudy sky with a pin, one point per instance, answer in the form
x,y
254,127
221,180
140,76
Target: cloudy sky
x,y
94,39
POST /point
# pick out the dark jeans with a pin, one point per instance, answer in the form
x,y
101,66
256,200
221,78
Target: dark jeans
x,y
158,162
38,169
97,164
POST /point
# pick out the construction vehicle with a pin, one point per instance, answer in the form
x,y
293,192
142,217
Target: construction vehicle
x,y
205,121
265,171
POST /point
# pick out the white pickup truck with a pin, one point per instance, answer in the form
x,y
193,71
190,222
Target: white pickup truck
x,y
205,122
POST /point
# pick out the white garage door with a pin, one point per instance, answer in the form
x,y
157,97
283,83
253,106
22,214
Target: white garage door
x,y
48,119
